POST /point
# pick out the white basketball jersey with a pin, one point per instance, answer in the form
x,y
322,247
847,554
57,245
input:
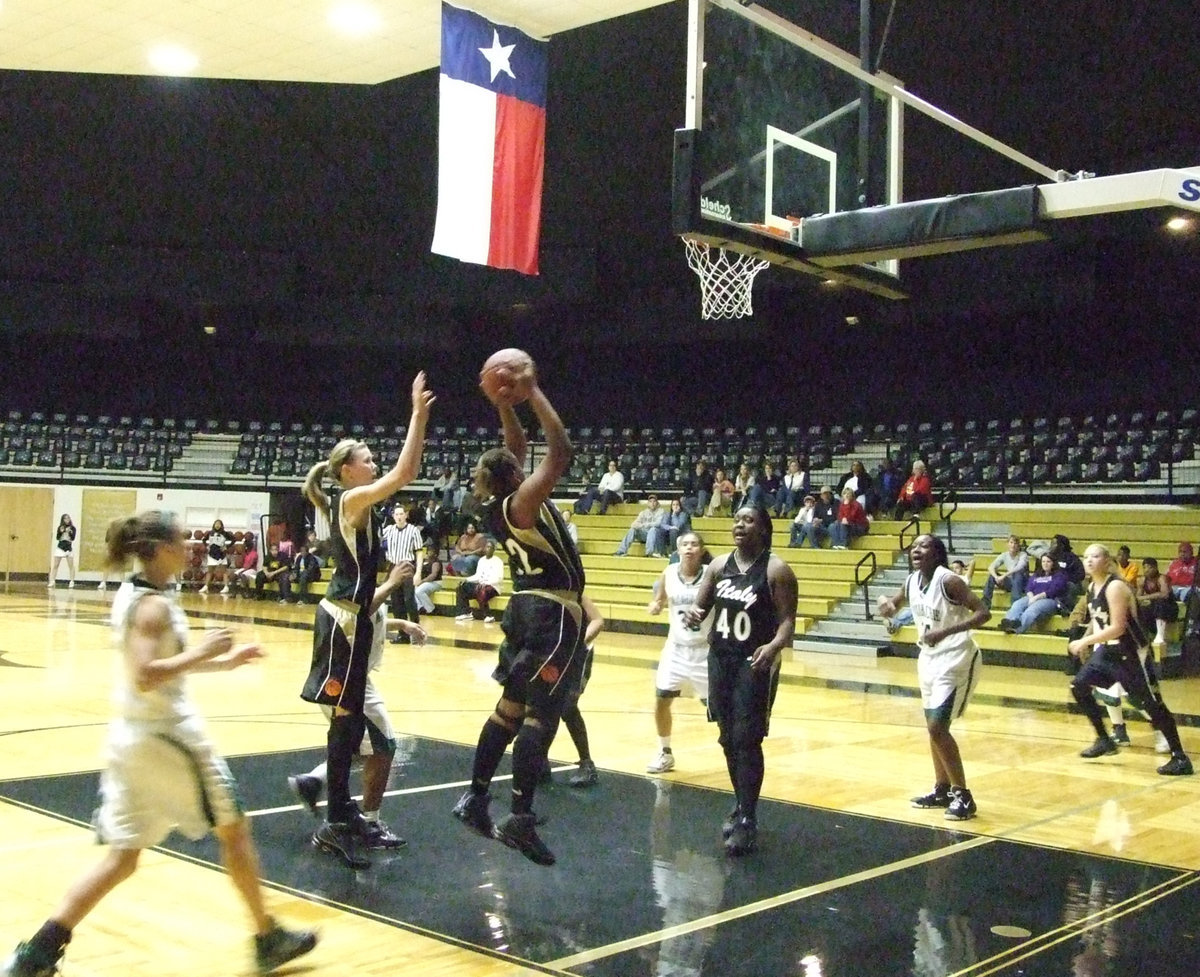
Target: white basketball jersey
x,y
681,595
932,609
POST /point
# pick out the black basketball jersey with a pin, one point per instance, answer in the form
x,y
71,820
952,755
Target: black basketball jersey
x,y
542,557
1134,637
743,612
356,556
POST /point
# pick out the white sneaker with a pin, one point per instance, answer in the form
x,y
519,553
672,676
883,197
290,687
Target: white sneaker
x,y
1160,743
71,585
49,584
489,620
662,763
225,590
462,617
100,585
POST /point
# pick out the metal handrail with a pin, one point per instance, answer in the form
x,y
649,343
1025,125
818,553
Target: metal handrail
x,y
949,498
915,523
865,582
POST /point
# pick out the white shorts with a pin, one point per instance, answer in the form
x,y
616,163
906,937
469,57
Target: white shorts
x,y
213,561
683,668
379,736
56,552
948,679
160,777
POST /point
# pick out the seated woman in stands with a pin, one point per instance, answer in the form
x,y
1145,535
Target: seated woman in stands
x,y
859,481
766,488
1042,594
245,569
468,549
744,483
916,493
722,495
1156,605
217,542
660,538
851,521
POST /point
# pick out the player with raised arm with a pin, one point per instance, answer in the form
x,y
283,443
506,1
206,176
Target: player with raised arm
x,y
542,656
753,597
945,610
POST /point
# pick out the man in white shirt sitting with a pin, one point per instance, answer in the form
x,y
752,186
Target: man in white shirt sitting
x,y
482,586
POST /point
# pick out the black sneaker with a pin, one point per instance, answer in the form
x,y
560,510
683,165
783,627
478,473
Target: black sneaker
x,y
377,835
518,831
734,817
1178,766
938,797
1104,746
28,960
472,810
1120,735
308,789
340,839
278,946
962,805
743,839
585,776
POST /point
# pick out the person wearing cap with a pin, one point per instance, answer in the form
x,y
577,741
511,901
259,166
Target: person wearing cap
x,y
803,520
824,515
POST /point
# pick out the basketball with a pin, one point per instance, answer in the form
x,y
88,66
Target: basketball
x,y
507,377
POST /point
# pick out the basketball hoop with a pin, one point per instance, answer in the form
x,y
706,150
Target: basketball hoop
x,y
726,279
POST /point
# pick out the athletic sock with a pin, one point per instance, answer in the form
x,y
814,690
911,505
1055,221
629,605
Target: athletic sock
x,y
493,741
53,937
528,758
573,720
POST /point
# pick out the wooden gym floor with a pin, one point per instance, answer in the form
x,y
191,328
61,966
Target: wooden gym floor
x,y
1072,867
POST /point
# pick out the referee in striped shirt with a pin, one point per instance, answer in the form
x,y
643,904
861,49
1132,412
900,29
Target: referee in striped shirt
x,y
403,545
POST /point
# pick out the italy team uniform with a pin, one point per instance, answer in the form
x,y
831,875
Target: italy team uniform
x,y
684,661
743,619
949,671
162,771
343,633
542,655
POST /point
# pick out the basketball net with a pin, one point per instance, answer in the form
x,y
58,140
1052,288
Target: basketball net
x,y
726,279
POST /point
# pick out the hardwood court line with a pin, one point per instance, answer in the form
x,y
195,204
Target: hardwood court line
x,y
1070,931
773,902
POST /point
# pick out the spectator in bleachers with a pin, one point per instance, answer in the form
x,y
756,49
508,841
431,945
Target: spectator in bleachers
x,y
568,516
445,488
435,518
1126,567
1156,605
888,483
823,517
306,570
481,586
916,493
63,549
610,490
1041,599
851,520
468,548
1068,561
767,484
216,545
431,578
858,481
722,495
660,540
246,571
1181,572
1009,571
697,488
317,547
792,489
650,517
802,520
278,568
744,483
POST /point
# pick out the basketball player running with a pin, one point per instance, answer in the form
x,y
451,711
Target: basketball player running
x,y
684,661
1120,647
344,629
162,771
753,597
945,610
542,655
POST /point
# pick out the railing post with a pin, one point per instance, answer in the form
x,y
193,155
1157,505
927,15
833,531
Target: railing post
x,y
865,582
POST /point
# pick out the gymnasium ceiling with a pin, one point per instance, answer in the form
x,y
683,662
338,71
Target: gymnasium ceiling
x,y
341,41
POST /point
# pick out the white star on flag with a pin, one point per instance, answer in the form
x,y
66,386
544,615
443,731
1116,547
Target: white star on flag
x,y
498,55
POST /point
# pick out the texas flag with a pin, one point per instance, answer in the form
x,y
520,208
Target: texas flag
x,y
491,144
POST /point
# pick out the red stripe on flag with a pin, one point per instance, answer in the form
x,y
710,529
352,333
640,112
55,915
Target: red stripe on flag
x,y
517,185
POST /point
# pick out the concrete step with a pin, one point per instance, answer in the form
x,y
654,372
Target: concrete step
x,y
855,649
859,630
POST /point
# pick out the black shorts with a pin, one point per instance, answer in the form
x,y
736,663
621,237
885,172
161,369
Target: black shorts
x,y
542,655
341,646
1107,666
740,698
